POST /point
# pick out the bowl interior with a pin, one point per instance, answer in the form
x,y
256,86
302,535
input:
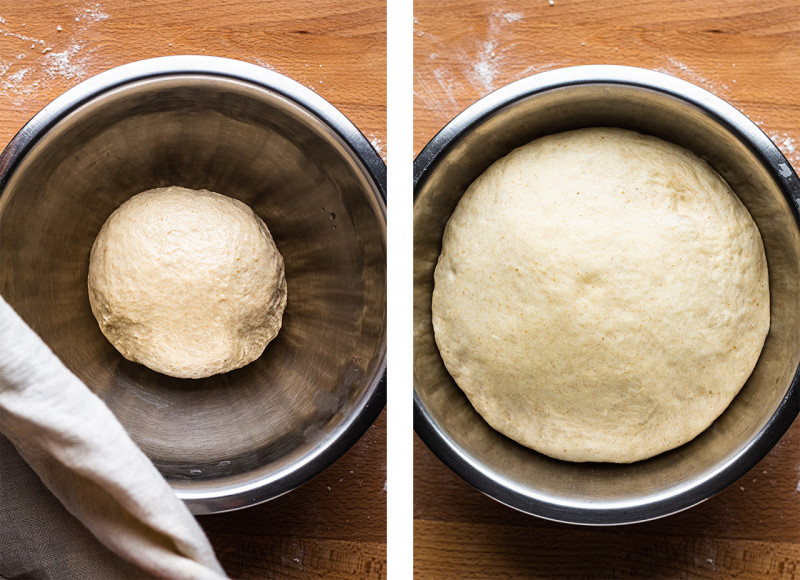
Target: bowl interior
x,y
253,425
600,493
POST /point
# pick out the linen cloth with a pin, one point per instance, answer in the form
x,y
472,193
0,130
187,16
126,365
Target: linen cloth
x,y
84,456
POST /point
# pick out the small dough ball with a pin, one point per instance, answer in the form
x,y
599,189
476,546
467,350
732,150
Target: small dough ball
x,y
601,295
188,283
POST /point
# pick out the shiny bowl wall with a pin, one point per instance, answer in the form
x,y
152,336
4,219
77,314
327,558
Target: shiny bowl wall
x,y
656,104
249,435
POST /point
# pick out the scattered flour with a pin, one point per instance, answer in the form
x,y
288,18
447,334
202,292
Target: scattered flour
x,y
314,86
785,142
438,92
68,63
63,57
537,68
93,13
480,60
482,73
510,16
9,33
448,84
484,70
417,31
377,144
680,69
263,64
18,76
789,148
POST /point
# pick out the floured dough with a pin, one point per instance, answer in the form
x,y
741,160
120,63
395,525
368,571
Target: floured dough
x,y
188,283
601,295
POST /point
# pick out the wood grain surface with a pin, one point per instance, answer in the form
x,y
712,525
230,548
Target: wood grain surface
x,y
334,526
746,52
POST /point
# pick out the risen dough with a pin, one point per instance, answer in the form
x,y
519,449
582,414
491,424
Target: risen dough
x,y
188,283
600,295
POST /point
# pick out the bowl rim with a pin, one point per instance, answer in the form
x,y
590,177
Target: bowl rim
x,y
779,168
232,497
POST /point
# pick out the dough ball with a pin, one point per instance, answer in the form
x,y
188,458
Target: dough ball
x,y
600,295
188,283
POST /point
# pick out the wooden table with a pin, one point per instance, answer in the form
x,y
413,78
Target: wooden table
x,y
746,52
333,526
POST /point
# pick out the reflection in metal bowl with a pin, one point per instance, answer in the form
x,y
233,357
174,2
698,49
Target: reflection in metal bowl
x,y
243,437
651,103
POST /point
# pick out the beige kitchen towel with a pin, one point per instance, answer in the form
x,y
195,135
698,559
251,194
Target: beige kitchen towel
x,y
40,539
85,457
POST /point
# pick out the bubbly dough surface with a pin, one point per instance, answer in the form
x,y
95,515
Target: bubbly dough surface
x,y
188,283
601,295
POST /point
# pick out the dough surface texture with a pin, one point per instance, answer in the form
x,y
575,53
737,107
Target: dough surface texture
x,y
600,295
188,283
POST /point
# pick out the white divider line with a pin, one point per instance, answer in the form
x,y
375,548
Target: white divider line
x,y
399,529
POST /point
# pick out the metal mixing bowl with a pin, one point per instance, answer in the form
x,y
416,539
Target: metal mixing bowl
x,y
660,105
247,436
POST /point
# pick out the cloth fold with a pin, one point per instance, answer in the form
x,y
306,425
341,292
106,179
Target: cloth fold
x,y
85,457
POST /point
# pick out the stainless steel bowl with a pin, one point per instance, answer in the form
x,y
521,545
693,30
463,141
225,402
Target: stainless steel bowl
x,y
250,435
674,110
